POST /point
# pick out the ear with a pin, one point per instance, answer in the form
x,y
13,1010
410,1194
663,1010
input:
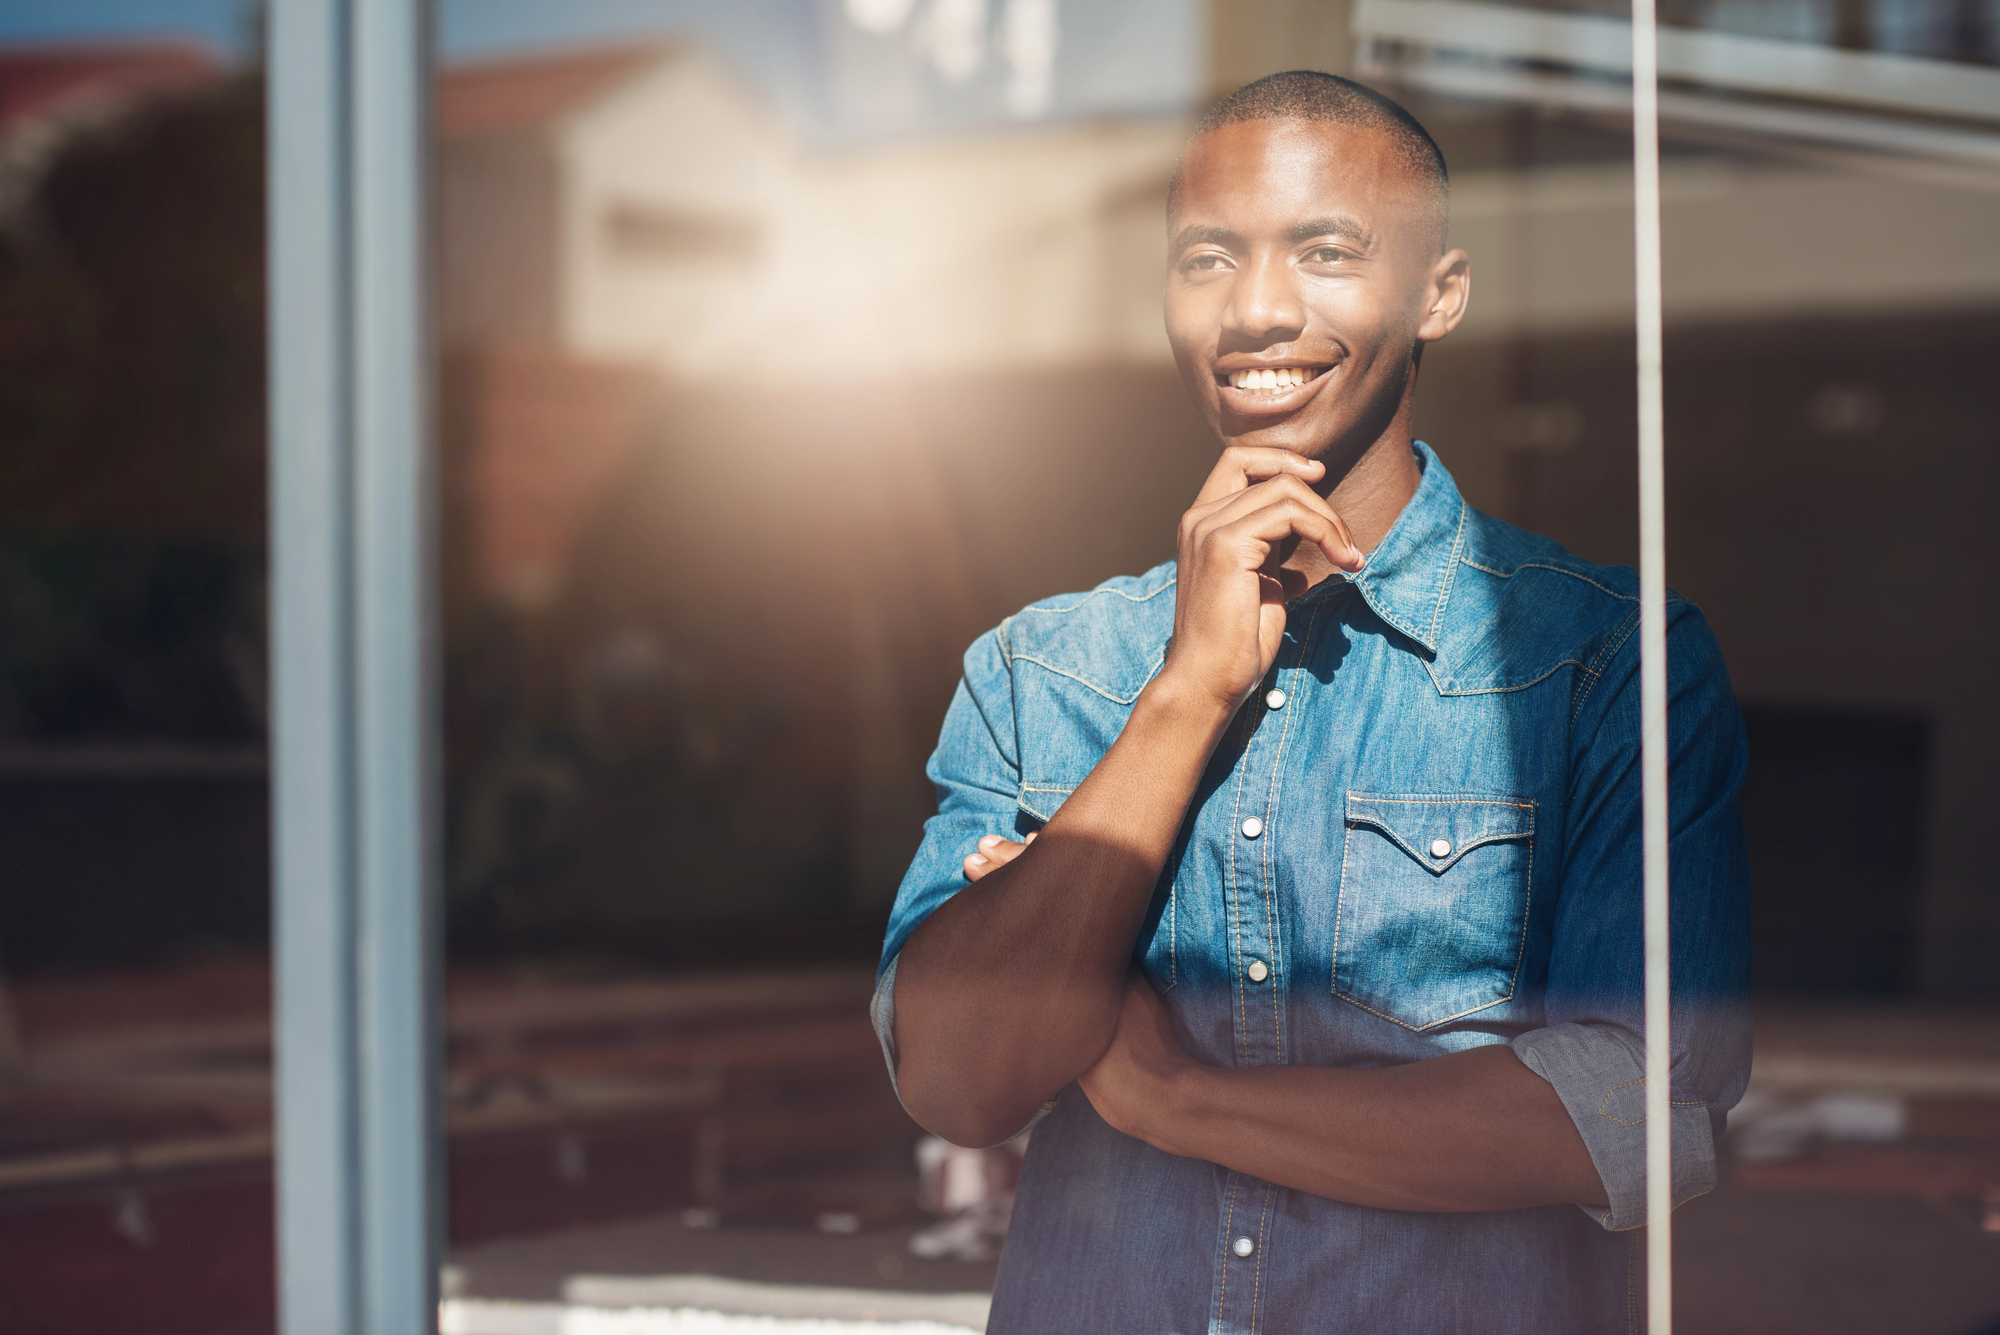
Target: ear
x,y
1446,295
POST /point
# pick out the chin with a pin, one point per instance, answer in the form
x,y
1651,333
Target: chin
x,y
1298,437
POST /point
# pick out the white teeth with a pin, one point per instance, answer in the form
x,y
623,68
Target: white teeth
x,y
1281,377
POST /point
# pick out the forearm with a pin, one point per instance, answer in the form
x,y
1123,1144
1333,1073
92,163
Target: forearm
x,y
1011,989
1474,1130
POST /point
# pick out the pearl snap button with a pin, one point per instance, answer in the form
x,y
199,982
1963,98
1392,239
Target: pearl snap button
x,y
1243,1246
1257,971
1252,828
1275,699
1440,848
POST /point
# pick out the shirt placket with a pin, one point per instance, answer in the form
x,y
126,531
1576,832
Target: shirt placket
x,y
1257,959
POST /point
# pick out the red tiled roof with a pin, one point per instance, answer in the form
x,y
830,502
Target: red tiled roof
x,y
512,96
42,80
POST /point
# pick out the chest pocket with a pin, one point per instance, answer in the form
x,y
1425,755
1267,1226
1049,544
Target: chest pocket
x,y
1432,914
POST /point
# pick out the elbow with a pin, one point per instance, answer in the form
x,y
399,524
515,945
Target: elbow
x,y
966,1119
971,1130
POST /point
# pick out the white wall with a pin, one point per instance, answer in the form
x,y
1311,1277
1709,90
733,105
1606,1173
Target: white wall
x,y
1746,242
975,252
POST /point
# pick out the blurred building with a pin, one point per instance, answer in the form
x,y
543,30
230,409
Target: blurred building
x,y
648,206
652,214
667,239
761,398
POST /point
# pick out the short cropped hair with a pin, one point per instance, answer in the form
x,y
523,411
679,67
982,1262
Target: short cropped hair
x,y
1308,95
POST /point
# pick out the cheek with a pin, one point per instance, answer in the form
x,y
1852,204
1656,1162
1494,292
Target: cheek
x,y
1194,313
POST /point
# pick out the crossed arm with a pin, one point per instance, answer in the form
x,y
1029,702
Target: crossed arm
x,y
1019,984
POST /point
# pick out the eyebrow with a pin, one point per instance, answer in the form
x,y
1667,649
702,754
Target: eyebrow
x,y
1339,224
1197,234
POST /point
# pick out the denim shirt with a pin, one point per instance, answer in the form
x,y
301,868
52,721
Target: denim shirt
x,y
1421,835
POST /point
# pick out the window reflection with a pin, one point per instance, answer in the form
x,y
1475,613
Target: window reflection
x,y
134,1098
782,355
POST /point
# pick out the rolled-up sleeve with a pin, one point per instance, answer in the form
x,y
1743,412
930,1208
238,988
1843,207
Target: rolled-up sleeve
x,y
1592,1048
976,769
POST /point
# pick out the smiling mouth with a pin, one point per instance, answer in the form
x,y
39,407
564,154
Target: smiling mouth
x,y
1273,379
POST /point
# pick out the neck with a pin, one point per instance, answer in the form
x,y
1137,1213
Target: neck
x,y
1368,495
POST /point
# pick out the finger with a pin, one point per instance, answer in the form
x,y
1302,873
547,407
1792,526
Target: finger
x,y
1242,466
1324,525
1253,536
1237,504
1002,850
994,853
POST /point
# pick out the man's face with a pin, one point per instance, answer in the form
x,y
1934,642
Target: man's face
x,y
1299,251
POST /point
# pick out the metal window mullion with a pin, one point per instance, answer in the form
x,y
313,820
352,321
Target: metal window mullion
x,y
1653,660
312,707
392,490
355,946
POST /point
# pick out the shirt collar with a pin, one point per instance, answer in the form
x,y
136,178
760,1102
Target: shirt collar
x,y
1408,576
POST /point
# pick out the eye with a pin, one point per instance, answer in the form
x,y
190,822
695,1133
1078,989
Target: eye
x,y
1207,260
1325,255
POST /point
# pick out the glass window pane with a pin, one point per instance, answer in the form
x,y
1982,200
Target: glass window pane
x,y
1827,305
135,1108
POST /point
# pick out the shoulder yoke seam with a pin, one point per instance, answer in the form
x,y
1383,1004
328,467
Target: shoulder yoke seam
x,y
1544,565
1071,607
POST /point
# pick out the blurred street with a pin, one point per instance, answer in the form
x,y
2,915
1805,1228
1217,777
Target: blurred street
x,y
615,1138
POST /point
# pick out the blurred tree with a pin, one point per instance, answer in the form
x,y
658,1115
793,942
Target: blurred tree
x,y
132,426
132,325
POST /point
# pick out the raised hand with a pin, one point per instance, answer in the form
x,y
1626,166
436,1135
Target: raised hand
x,y
1235,569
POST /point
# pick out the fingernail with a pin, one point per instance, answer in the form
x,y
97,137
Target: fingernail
x,y
1031,836
989,841
976,858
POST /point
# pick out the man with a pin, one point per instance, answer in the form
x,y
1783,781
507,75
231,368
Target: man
x,y
1292,889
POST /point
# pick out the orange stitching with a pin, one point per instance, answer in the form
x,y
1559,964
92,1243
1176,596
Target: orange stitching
x,y
1236,909
1228,1227
1537,680
1103,589
1543,565
1271,927
1257,1270
1610,651
1437,800
1086,682
1671,1103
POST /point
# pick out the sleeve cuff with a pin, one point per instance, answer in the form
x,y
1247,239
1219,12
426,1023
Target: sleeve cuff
x,y
882,1013
1599,1072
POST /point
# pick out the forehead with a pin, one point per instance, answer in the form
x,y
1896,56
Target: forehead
x,y
1263,175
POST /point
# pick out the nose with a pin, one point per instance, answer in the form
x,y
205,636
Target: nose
x,y
1264,304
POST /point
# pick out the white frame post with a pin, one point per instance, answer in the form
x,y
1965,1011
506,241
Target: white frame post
x,y
355,943
1653,662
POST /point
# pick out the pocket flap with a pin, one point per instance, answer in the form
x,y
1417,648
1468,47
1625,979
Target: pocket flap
x,y
1438,830
1041,798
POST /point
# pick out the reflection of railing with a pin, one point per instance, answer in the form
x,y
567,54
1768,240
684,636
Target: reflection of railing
x,y
535,1059
742,1097
1514,54
133,761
